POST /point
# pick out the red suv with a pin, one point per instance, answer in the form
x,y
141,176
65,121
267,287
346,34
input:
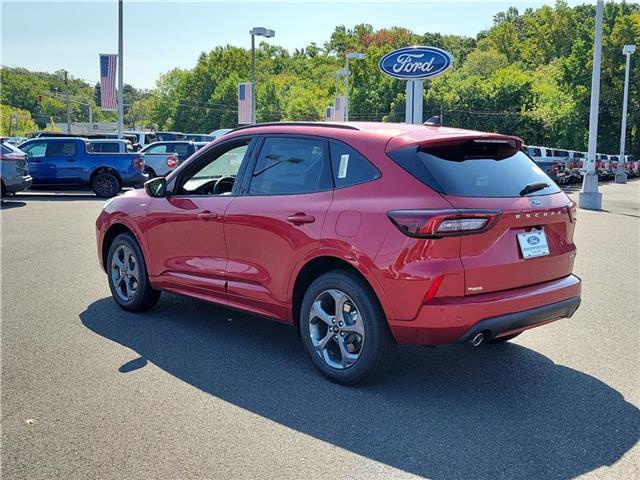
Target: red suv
x,y
362,235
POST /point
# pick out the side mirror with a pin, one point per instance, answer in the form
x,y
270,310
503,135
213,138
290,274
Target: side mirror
x,y
156,187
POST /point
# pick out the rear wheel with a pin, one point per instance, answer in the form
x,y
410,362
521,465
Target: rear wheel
x,y
506,338
105,185
344,329
128,279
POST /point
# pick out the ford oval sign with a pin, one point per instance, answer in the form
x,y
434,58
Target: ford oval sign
x,y
416,63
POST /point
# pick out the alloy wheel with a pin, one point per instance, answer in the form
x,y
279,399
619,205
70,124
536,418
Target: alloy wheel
x,y
336,329
125,273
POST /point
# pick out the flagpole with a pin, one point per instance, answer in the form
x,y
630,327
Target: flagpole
x,y
120,76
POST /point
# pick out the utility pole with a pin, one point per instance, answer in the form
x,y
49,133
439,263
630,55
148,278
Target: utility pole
x,y
120,75
589,198
90,115
66,87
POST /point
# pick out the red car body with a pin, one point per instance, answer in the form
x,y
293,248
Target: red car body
x,y
255,253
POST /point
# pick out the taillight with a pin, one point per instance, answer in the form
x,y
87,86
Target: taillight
x,y
443,223
172,162
572,208
138,163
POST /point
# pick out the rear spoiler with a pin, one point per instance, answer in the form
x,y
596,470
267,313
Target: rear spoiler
x,y
406,141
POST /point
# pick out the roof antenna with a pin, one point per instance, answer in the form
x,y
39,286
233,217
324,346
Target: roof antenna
x,y
433,121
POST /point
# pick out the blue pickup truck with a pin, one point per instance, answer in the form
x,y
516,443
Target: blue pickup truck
x,y
70,162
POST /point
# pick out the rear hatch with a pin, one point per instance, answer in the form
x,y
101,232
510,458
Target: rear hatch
x,y
524,208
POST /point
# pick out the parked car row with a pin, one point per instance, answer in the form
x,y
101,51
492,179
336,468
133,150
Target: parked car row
x,y
105,165
71,162
567,166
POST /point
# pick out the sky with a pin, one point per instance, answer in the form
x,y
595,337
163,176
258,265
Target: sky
x,y
159,35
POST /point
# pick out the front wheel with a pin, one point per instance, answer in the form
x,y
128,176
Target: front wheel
x,y
344,329
128,279
105,185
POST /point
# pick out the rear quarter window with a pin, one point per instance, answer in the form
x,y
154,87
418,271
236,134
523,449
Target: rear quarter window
x,y
472,169
349,167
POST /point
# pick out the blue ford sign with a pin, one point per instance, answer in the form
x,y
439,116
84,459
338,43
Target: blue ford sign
x,y
416,63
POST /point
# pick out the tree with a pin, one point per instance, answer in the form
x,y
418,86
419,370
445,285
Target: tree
x,y
22,124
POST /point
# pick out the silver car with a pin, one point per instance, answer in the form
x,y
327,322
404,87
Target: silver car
x,y
14,169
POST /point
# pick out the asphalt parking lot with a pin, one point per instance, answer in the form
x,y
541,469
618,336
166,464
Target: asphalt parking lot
x,y
190,390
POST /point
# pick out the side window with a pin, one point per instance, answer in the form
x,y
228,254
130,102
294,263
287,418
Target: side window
x,y
35,150
218,164
288,166
181,148
158,149
110,147
61,149
349,167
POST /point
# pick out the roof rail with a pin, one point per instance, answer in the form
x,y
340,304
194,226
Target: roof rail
x,y
344,126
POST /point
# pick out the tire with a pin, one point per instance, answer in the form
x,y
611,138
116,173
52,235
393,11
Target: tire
x,y
105,185
150,173
133,292
369,353
504,339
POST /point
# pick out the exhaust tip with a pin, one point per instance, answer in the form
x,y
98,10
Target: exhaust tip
x,y
478,339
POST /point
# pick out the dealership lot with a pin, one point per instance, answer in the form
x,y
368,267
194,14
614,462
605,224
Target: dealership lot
x,y
190,390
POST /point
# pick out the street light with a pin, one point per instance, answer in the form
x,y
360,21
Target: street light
x,y
621,173
260,32
347,72
590,198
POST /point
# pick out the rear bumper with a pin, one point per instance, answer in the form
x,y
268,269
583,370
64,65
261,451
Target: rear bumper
x,y
453,319
519,321
18,184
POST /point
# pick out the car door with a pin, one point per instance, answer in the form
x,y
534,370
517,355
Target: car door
x,y
36,152
185,230
65,162
276,221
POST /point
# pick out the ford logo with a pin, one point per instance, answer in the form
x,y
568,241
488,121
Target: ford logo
x,y
533,240
416,63
535,202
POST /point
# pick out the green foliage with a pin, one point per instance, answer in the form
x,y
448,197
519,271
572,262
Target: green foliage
x,y
528,75
23,122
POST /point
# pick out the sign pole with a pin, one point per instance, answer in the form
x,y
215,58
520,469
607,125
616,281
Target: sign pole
x,y
589,198
415,65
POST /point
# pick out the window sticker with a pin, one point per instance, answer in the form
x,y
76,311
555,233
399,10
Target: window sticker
x,y
344,164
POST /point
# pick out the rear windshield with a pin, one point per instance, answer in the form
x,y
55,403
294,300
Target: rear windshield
x,y
474,169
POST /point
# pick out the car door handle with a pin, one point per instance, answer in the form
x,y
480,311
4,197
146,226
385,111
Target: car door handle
x,y
301,218
208,215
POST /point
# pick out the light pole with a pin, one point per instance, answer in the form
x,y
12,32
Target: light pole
x,y
260,32
621,173
589,198
120,73
348,56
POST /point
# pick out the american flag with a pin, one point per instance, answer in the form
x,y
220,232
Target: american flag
x,y
108,100
244,104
